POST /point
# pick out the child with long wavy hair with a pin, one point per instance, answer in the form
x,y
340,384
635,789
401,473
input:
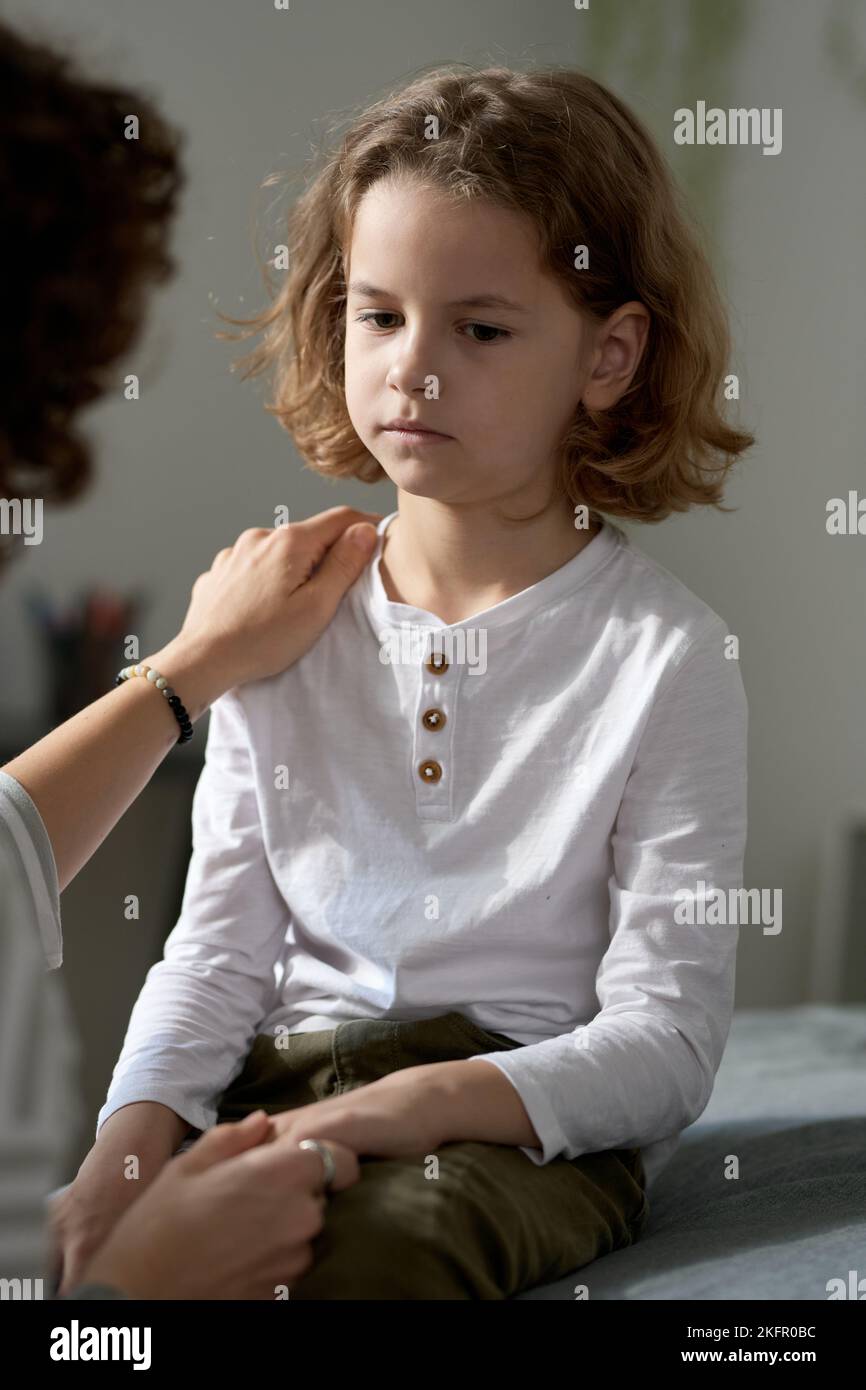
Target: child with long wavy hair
x,y
500,840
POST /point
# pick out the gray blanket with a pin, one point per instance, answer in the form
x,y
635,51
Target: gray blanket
x,y
790,1104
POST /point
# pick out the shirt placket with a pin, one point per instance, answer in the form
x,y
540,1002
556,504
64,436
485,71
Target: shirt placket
x,y
433,743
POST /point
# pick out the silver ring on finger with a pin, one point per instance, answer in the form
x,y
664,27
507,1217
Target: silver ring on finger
x,y
326,1156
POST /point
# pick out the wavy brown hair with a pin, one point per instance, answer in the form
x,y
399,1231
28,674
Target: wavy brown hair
x,y
85,216
556,145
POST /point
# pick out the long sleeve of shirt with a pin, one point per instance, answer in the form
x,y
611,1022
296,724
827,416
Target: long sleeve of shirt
x,y
198,1009
644,1067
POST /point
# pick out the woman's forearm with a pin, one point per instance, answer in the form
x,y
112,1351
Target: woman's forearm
x,y
85,774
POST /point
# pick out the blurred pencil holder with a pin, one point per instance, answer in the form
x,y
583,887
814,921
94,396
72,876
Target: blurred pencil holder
x,y
83,647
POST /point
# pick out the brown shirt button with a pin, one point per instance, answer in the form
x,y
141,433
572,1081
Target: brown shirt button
x,y
437,663
433,719
429,771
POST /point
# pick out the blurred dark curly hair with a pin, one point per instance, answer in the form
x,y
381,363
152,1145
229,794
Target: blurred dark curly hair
x,y
85,217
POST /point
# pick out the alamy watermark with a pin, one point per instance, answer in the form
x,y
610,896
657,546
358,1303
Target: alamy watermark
x,y
738,126
22,516
715,907
413,643
83,1343
21,1290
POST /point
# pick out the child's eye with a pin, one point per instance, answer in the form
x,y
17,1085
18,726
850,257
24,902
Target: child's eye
x,y
488,328
385,313
374,314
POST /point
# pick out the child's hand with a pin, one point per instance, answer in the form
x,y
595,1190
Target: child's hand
x,y
389,1118
107,1183
82,1217
266,599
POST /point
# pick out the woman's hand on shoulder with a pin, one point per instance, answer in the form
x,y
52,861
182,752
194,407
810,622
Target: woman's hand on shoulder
x,y
267,599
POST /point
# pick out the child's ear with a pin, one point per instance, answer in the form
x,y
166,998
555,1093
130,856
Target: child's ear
x,y
615,355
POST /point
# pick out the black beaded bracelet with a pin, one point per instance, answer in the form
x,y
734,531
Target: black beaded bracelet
x,y
162,685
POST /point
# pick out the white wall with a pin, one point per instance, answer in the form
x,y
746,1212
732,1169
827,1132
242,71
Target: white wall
x,y
197,459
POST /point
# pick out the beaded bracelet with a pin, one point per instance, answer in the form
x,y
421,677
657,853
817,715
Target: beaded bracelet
x,y
163,686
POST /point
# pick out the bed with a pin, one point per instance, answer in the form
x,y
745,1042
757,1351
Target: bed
x,y
790,1103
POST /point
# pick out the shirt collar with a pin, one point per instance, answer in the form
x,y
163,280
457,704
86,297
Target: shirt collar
x,y
382,611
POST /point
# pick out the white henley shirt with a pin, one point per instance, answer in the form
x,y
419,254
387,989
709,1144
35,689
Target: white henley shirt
x,y
509,836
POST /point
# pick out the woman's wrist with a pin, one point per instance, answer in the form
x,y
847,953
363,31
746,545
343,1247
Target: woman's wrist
x,y
83,775
196,672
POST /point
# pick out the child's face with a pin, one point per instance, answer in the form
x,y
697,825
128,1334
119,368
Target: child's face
x,y
505,397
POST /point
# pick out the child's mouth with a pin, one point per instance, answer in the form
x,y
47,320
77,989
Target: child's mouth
x,y
417,435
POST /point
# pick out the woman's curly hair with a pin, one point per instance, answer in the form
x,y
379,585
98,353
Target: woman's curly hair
x,y
85,220
556,145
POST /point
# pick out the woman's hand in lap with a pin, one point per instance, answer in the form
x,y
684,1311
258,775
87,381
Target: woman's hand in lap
x,y
266,599
232,1217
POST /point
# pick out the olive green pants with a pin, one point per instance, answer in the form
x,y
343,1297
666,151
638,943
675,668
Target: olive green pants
x,y
490,1224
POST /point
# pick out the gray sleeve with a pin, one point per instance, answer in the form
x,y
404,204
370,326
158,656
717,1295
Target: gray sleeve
x,y
40,1057
30,856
